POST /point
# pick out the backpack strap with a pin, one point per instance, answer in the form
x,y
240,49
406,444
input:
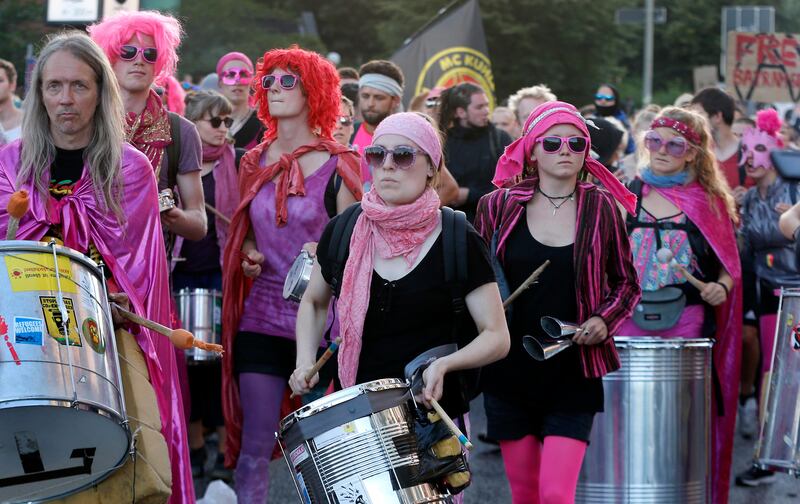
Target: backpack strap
x,y
174,149
454,241
339,248
331,193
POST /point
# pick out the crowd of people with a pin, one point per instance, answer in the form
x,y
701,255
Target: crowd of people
x,y
265,160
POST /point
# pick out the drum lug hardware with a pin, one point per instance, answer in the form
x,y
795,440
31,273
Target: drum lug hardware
x,y
83,379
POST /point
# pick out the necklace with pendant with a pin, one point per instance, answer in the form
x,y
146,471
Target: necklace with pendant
x,y
564,199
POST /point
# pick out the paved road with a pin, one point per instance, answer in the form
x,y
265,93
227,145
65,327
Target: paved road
x,y
490,485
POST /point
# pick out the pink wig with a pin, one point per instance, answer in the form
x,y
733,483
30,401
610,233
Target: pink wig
x,y
175,95
115,31
318,80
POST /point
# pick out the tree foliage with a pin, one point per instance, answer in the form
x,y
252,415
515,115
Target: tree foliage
x,y
571,45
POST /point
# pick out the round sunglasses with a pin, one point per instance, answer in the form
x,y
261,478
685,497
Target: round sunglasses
x,y
403,156
217,121
286,81
675,147
553,144
129,52
345,120
236,75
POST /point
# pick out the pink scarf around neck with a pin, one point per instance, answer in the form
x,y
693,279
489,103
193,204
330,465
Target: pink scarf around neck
x,y
389,232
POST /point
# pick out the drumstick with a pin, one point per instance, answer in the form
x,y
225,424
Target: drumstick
x,y
699,284
321,361
451,425
17,207
219,214
181,338
527,283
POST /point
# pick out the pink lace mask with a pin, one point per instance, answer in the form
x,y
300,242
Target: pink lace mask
x,y
759,144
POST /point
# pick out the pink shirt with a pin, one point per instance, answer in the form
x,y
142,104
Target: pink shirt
x,y
362,140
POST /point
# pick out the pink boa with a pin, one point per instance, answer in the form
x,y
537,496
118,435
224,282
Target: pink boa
x,y
391,232
717,228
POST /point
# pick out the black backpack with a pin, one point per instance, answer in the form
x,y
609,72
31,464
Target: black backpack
x,y
454,241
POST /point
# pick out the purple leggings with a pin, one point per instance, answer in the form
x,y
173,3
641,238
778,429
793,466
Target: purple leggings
x,y
261,396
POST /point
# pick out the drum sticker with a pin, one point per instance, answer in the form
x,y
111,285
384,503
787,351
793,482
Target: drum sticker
x,y
298,455
35,272
91,333
55,325
351,491
4,334
796,337
789,320
334,435
28,331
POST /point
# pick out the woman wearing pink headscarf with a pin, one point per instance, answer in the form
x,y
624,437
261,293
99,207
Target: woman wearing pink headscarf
x,y
542,412
394,303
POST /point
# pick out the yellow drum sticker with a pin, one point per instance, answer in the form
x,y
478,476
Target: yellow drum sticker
x,y
54,322
35,272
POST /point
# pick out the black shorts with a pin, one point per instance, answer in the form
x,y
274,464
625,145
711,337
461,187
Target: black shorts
x,y
508,421
205,388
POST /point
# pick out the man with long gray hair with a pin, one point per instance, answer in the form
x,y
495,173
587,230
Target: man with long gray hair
x,y
96,194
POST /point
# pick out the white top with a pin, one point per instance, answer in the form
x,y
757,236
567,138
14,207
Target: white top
x,y
12,134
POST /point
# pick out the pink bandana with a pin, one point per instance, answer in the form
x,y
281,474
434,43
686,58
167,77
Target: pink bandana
x,y
512,162
389,232
680,127
414,127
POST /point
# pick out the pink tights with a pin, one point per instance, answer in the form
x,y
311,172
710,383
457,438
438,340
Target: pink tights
x,y
543,473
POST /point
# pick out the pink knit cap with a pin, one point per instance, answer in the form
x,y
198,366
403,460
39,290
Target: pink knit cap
x,y
414,127
545,116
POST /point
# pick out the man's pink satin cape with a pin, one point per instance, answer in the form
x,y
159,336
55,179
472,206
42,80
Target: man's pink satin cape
x,y
134,252
718,229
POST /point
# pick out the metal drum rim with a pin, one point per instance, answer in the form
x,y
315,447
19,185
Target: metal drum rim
x,y
186,291
40,402
339,397
790,292
656,342
36,246
307,262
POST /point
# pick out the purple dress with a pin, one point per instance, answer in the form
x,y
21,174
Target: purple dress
x,y
268,318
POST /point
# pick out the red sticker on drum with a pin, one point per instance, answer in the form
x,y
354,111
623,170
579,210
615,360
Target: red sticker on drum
x,y
4,334
298,455
796,337
91,333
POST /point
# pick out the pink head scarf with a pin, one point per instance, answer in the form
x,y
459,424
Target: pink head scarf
x,y
385,231
762,140
512,162
414,127
234,56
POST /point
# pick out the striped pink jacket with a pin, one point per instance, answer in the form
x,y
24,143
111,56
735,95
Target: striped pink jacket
x,y
605,279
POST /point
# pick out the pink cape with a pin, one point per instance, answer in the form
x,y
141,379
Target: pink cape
x,y
718,230
134,252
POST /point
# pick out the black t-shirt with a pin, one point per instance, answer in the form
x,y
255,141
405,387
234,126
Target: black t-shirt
x,y
65,171
250,131
557,384
413,314
202,256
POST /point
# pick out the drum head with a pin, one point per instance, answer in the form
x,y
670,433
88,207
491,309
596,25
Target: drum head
x,y
48,452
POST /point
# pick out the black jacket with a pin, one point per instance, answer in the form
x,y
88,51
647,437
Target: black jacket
x,y
471,155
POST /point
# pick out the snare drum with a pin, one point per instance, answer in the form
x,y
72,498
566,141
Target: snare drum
x,y
357,445
298,277
63,425
201,314
778,446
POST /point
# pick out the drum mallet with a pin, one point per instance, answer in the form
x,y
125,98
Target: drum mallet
x,y
321,361
451,424
665,256
527,283
219,214
181,338
17,206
